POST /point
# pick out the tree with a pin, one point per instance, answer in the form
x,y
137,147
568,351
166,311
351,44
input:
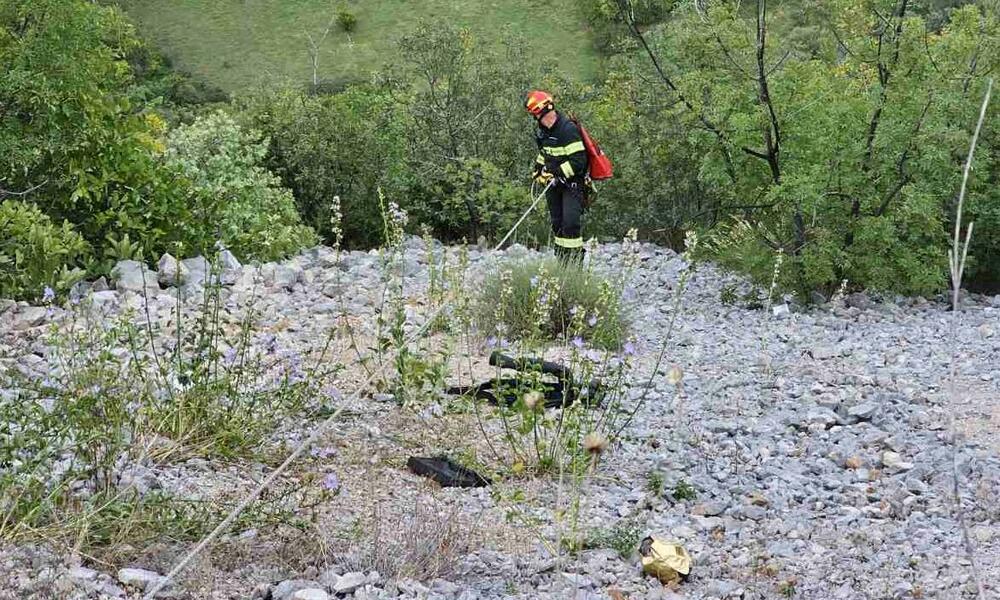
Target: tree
x,y
840,151
68,132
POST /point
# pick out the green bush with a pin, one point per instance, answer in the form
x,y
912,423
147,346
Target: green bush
x,y
470,198
347,20
233,198
35,253
69,130
547,299
347,145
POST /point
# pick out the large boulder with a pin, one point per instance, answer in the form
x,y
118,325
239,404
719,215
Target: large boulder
x,y
172,272
133,276
231,267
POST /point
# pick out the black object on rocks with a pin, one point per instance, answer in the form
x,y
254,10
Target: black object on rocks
x,y
559,393
446,472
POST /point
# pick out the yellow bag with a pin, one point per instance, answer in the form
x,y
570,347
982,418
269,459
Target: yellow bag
x,y
667,562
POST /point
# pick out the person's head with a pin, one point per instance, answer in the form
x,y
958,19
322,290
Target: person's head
x,y
539,105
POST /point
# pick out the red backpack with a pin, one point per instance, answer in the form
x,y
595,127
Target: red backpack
x,y
599,165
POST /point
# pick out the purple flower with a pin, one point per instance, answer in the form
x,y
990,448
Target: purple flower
x,y
578,342
594,355
333,393
592,320
629,349
229,356
331,483
324,453
574,310
534,281
504,343
491,341
48,295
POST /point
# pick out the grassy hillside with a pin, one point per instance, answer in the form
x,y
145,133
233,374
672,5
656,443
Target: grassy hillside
x,y
233,43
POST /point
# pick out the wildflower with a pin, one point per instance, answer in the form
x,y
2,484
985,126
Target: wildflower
x,y
595,444
573,311
594,355
48,295
592,320
578,342
491,342
331,483
332,393
629,348
324,453
533,281
532,399
229,356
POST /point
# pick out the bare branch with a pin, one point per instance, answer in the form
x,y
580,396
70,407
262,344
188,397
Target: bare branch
x,y
4,193
957,256
628,17
729,57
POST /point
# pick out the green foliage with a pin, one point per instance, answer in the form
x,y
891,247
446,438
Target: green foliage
x,y
623,537
347,20
539,299
654,483
69,439
728,295
471,198
470,141
233,197
854,174
35,253
345,145
68,130
684,491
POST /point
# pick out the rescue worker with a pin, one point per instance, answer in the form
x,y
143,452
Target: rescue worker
x,y
561,158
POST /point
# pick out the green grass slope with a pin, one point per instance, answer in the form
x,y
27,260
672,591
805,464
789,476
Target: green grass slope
x,y
237,43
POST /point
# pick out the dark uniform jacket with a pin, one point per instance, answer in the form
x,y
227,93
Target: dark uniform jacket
x,y
561,150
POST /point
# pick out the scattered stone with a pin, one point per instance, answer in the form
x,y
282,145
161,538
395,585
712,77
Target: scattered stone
x,y
286,590
348,583
893,460
230,266
709,509
30,316
139,578
863,411
311,594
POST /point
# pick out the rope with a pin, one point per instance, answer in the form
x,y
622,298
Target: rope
x,y
317,432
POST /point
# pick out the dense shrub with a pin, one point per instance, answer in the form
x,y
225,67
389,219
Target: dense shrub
x,y
347,20
35,253
850,163
345,145
233,198
548,299
68,130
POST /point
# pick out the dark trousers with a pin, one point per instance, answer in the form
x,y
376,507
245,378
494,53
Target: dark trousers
x,y
566,213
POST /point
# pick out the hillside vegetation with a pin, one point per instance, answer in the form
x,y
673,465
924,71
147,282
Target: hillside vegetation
x,y
826,139
236,44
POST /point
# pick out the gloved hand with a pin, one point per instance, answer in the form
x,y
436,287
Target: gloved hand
x,y
542,176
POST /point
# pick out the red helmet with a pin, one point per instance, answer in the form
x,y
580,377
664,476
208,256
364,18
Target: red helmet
x,y
538,103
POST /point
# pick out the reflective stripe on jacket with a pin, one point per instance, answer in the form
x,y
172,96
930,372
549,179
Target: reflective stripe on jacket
x,y
560,149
